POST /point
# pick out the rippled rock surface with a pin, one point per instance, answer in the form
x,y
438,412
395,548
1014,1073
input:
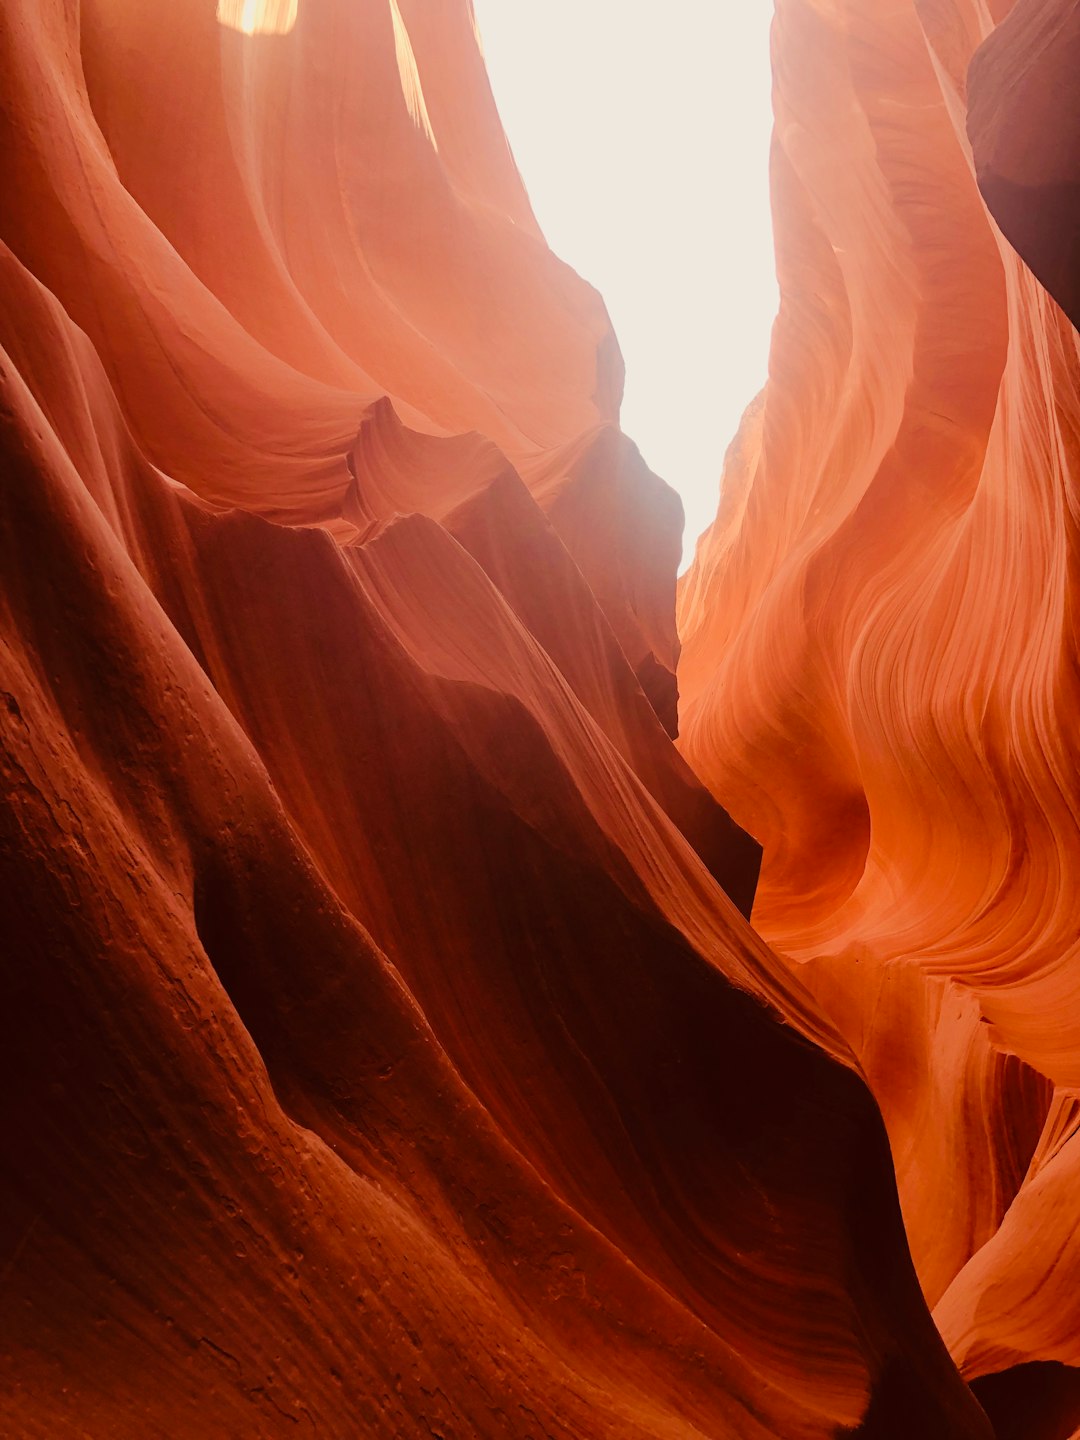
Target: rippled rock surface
x,y
385,1048
880,676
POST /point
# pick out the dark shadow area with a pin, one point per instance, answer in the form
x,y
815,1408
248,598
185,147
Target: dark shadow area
x,y
1040,1401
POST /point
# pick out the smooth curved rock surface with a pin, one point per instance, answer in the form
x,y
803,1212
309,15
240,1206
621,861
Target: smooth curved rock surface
x,y
1024,124
384,1047
880,672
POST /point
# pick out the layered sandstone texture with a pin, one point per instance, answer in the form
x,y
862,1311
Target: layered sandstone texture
x,y
880,673
385,1050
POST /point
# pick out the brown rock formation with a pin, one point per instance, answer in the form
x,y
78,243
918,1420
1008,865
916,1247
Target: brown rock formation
x,y
385,1050
880,675
1024,124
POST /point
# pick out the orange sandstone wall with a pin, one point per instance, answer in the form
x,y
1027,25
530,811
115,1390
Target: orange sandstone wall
x,y
879,671
384,1049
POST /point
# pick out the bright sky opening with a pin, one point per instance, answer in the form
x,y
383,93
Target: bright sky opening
x,y
642,133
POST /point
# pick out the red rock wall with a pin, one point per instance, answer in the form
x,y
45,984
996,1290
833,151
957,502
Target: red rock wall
x,y
381,1054
384,1048
879,672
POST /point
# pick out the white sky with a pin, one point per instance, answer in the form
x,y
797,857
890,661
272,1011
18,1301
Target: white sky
x,y
642,132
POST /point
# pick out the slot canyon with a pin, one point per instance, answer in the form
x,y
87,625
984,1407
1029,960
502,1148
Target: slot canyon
x,y
460,980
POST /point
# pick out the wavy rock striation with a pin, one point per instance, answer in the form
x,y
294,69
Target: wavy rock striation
x,y
880,674
385,1050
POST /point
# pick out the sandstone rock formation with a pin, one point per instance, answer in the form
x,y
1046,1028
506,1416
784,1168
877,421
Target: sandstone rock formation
x,y
385,1048
880,675
1024,124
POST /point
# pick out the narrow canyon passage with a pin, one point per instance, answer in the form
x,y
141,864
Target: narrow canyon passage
x,y
459,981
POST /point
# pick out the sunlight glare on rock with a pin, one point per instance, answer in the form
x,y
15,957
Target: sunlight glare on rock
x,y
258,17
